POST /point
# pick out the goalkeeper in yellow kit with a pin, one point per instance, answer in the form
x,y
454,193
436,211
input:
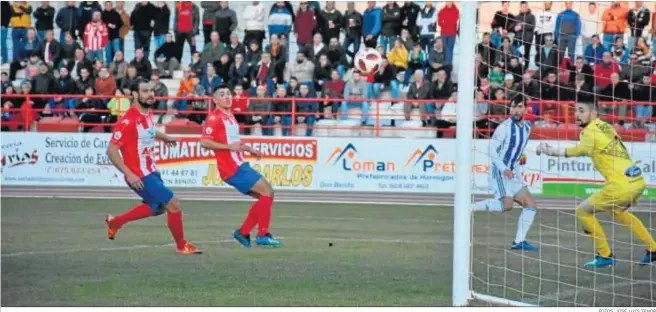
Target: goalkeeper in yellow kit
x,y
624,183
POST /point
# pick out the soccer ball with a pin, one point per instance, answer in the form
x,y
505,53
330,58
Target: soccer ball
x,y
368,61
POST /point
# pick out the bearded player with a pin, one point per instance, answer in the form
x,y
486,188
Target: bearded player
x,y
221,134
505,178
131,151
624,183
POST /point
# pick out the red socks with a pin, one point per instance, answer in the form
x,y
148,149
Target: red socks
x,y
264,204
139,212
260,213
174,220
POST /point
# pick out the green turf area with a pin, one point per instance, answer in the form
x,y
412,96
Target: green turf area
x,y
55,253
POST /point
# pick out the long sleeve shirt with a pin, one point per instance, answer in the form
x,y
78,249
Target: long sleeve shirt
x,y
508,144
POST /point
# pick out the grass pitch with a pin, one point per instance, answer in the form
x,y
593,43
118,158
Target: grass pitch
x,y
55,253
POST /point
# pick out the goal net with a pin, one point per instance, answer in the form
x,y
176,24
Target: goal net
x,y
555,275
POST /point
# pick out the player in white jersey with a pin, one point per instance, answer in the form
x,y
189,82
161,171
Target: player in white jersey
x,y
505,179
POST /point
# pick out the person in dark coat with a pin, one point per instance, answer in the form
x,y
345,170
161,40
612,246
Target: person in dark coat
x,y
353,29
45,17
329,22
141,18
581,68
616,91
525,30
234,46
144,69
391,25
67,21
409,12
209,11
225,21
114,22
50,50
162,19
239,72
7,11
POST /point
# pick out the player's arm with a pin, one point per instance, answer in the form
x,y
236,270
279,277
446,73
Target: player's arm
x,y
121,132
584,148
209,136
165,137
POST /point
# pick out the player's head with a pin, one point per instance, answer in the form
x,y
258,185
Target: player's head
x,y
223,97
585,113
518,107
143,93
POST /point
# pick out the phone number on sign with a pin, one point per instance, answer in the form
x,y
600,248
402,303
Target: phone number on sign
x,y
403,186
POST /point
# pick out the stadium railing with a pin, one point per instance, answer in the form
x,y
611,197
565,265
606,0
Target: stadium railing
x,y
558,115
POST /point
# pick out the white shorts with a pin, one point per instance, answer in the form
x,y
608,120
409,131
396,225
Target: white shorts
x,y
502,187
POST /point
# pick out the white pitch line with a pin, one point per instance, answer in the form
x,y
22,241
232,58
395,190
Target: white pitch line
x,y
558,296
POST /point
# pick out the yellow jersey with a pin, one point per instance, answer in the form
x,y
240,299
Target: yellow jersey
x,y
600,141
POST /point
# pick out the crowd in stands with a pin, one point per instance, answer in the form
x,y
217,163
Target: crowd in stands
x,y
418,45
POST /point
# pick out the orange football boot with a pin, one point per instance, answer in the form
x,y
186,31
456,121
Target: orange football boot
x,y
111,232
189,249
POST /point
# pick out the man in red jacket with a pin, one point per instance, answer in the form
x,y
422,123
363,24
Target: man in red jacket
x,y
96,36
448,18
604,69
305,25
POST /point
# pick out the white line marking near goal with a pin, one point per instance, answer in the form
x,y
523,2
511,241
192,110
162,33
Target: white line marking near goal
x,y
603,288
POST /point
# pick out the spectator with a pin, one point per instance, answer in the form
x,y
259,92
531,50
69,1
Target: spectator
x,y
643,53
642,93
235,47
254,15
619,52
505,53
279,58
30,48
67,21
118,67
604,70
282,110
633,71
161,23
96,37
20,21
486,50
550,90
353,29
372,24
117,106
45,17
94,110
261,110
142,21
590,24
160,91
85,81
302,69
209,12
516,69
317,49
10,103
185,88
337,56
420,89
187,20
66,85
496,76
239,72
240,109
165,58
197,65
334,89
281,19
322,72
406,40
144,69
427,24
263,73
50,50
125,18
385,77
398,56
211,80
581,68
582,90
594,52
198,105
356,88
43,83
653,32
85,14
447,114
448,19
305,25
568,29
437,59
105,84
80,61
330,22
409,13
213,50
502,23
307,111
442,87
391,25
547,58
6,12
498,108
638,19
130,79
114,22
545,24
416,61
482,70
528,87
67,50
293,90
614,20
222,67
525,30
614,98
225,21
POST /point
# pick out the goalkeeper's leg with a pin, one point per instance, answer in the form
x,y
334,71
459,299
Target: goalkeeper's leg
x,y
633,223
591,226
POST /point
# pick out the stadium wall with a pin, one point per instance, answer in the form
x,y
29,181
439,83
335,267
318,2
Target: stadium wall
x,y
298,163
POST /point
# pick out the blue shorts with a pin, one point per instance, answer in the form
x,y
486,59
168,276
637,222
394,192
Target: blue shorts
x,y
154,192
244,179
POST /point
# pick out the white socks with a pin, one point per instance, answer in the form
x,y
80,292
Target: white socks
x,y
491,204
523,224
